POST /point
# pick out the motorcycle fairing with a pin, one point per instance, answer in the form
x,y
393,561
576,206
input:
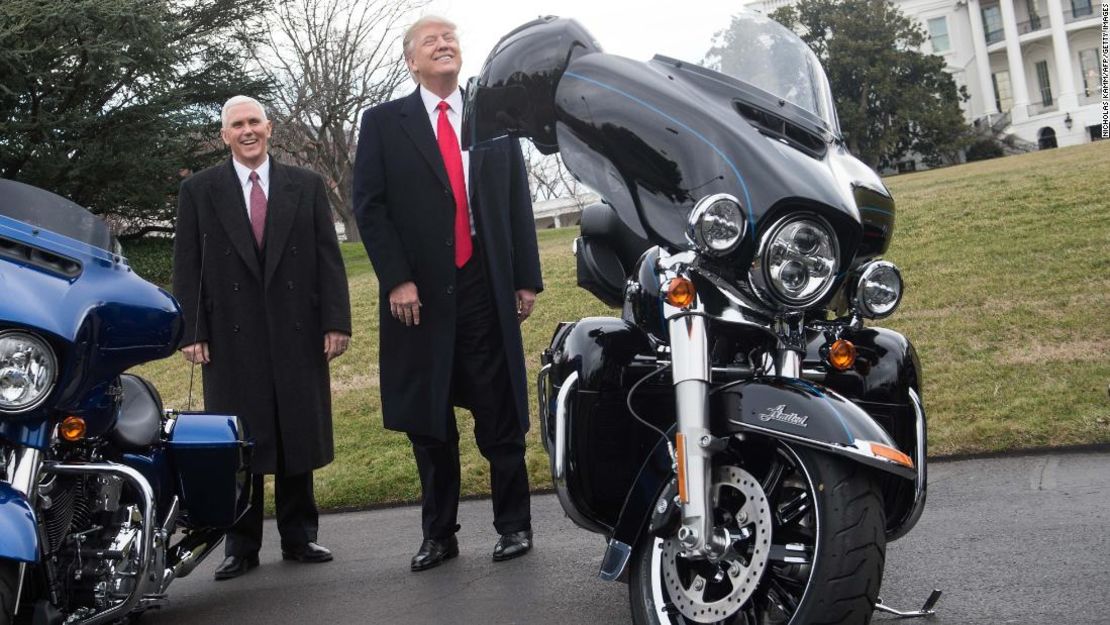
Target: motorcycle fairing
x,y
19,539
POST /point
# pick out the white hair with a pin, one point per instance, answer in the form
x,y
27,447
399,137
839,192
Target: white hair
x,y
428,20
237,100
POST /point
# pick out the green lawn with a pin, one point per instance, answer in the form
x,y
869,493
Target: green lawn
x,y
1007,264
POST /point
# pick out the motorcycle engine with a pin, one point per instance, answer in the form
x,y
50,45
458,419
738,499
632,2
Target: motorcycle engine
x,y
93,539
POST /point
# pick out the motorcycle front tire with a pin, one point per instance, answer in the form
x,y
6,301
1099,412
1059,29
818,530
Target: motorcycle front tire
x,y
9,578
851,545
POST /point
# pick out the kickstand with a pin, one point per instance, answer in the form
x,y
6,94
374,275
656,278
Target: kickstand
x,y
926,610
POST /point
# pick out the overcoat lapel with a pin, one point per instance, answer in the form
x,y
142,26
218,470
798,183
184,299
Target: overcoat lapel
x,y
414,120
281,209
226,195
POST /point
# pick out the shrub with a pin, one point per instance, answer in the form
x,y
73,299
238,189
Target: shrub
x,y
984,149
151,258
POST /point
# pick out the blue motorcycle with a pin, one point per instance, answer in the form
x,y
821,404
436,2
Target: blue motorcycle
x,y
105,498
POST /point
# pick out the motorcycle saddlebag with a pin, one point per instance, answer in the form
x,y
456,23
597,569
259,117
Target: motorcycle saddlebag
x,y
209,459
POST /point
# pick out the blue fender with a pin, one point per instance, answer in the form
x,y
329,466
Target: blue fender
x,y
18,538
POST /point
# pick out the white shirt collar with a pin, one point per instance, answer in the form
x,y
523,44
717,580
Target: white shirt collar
x,y
244,172
431,101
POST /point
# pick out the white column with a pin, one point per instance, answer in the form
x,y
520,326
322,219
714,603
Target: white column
x,y
1069,99
1017,64
982,59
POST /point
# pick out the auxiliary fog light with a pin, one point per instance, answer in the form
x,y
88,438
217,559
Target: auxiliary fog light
x,y
716,224
879,290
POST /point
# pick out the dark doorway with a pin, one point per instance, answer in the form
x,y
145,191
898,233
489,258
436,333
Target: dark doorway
x,y
1046,138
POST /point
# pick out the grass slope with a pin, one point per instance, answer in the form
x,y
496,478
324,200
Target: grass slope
x,y
1007,264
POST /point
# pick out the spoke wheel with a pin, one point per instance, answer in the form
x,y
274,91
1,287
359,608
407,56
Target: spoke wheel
x,y
807,546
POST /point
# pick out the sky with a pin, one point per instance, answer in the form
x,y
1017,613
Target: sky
x,y
638,30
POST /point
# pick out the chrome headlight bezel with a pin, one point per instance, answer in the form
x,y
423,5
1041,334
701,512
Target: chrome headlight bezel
x,y
769,286
712,215
43,358
870,276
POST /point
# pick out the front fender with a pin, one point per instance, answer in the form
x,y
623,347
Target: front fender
x,y
18,537
808,414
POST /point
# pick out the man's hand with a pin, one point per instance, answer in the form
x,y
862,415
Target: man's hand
x,y
197,353
404,303
335,343
525,300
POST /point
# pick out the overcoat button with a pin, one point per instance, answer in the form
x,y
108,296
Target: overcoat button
x,y
297,326
290,285
450,290
235,329
227,251
234,286
293,250
446,192
449,242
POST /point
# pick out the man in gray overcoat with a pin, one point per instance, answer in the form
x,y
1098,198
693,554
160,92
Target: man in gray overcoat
x,y
261,282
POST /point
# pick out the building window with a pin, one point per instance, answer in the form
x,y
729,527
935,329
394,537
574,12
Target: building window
x,y
1043,83
1080,8
1088,66
992,23
1003,96
1046,138
938,34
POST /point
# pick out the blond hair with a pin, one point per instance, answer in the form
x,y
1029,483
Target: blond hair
x,y
428,20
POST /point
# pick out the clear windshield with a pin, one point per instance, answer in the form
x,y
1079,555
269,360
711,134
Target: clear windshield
x,y
43,209
762,53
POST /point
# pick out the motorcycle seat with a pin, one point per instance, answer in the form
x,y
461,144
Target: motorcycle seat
x,y
140,415
601,222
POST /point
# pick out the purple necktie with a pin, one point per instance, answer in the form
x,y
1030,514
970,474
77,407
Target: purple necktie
x,y
258,209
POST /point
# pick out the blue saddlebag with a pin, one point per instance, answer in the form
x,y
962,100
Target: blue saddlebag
x,y
210,459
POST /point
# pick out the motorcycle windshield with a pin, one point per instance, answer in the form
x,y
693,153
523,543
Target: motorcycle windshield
x,y
774,63
45,210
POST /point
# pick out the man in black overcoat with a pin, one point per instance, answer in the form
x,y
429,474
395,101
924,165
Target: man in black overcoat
x,y
454,248
258,272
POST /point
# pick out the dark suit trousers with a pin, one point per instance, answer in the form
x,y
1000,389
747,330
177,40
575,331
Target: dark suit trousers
x,y
298,520
481,384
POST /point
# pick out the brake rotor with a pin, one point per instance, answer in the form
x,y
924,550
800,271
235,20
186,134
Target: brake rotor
x,y
705,596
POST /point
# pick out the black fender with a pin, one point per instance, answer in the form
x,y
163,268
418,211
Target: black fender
x,y
19,538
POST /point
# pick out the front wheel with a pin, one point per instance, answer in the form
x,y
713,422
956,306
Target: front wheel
x,y
807,546
9,579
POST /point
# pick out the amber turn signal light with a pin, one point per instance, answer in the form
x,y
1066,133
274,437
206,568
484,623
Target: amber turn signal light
x,y
72,428
842,355
681,292
891,454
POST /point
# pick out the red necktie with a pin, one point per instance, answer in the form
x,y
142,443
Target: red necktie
x,y
258,209
452,160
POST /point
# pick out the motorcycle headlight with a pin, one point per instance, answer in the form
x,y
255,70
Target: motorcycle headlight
x,y
879,289
28,369
797,262
716,224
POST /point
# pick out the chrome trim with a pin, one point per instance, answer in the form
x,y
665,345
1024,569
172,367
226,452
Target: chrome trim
x,y
760,281
19,588
53,357
543,396
857,290
615,560
559,458
146,546
788,363
25,474
921,463
689,345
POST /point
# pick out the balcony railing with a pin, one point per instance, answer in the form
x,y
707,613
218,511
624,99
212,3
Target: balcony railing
x,y
1033,24
994,36
1041,108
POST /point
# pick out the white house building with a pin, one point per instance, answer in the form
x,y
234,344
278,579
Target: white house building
x,y
1032,67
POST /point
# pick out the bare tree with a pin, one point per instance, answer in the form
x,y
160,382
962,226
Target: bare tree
x,y
330,60
550,179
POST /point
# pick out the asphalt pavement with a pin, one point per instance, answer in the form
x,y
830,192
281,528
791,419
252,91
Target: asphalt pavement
x,y
1022,540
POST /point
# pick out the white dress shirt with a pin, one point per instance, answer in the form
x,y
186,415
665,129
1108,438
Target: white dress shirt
x,y
244,174
454,115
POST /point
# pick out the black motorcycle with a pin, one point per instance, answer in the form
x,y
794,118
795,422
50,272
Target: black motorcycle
x,y
745,442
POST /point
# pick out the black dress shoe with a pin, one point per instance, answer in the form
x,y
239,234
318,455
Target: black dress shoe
x,y
234,566
433,552
512,545
308,552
